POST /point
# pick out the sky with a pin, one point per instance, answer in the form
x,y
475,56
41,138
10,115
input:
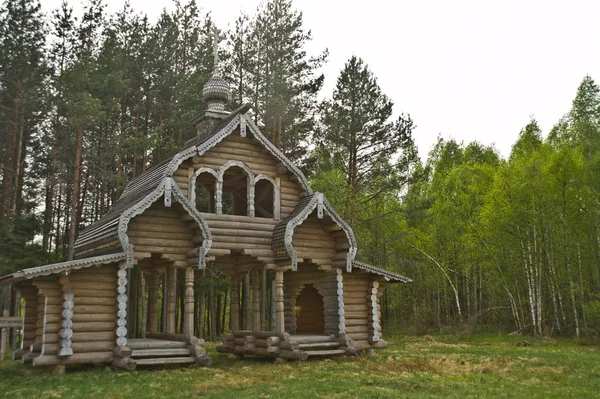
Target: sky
x,y
467,70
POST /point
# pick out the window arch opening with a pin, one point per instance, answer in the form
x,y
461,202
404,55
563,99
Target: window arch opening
x,y
205,192
264,199
235,192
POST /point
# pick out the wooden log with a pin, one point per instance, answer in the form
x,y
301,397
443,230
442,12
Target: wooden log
x,y
289,345
76,358
81,347
94,336
93,326
357,329
264,352
293,355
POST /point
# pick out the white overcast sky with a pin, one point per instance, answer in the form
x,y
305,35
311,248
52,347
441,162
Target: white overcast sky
x,y
468,70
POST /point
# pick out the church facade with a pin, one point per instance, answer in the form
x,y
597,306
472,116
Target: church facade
x,y
231,201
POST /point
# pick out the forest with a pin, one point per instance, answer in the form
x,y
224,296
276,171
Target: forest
x,y
492,243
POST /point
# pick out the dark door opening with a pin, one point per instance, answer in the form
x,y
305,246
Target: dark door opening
x,y
310,311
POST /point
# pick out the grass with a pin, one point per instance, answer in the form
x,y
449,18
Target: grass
x,y
445,366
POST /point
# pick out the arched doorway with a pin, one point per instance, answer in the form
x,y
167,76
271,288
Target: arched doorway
x,y
310,311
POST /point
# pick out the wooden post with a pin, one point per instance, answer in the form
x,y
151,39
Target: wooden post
x,y
153,302
256,300
247,306
171,286
144,303
163,316
122,289
250,198
263,300
66,333
234,318
280,325
188,329
3,338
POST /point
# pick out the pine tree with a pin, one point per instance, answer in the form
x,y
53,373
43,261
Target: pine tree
x,y
22,91
360,135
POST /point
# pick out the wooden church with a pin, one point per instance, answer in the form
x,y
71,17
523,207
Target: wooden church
x,y
231,201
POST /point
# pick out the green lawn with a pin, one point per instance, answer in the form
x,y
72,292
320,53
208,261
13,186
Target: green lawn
x,y
484,365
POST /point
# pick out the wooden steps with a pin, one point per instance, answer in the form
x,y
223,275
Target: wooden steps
x,y
326,353
165,361
137,353
158,352
318,346
148,343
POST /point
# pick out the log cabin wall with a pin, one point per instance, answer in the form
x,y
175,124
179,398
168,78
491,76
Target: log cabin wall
x,y
169,232
326,285
48,315
94,309
356,310
258,160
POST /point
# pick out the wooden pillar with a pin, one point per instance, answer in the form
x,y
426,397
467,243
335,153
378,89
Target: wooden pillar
x,y
122,300
250,198
153,302
234,318
263,300
280,325
188,329
171,286
163,316
4,339
66,331
256,300
144,303
247,305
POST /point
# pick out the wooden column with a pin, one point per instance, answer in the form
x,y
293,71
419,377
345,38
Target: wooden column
x,y
280,325
163,316
144,303
171,286
234,318
66,331
188,329
250,199
246,301
153,302
122,289
256,300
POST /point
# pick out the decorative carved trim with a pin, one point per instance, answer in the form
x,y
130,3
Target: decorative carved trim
x,y
382,272
192,183
340,289
277,154
239,164
204,229
167,195
219,197
242,127
303,215
217,138
250,197
121,330
66,331
70,265
145,203
375,327
276,194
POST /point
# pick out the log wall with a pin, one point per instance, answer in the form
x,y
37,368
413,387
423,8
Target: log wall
x,y
356,310
169,232
326,285
260,161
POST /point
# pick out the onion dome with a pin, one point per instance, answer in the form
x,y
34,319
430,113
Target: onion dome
x,y
216,93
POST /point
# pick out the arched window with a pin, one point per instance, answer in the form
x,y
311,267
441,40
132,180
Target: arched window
x,y
266,198
235,191
205,192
